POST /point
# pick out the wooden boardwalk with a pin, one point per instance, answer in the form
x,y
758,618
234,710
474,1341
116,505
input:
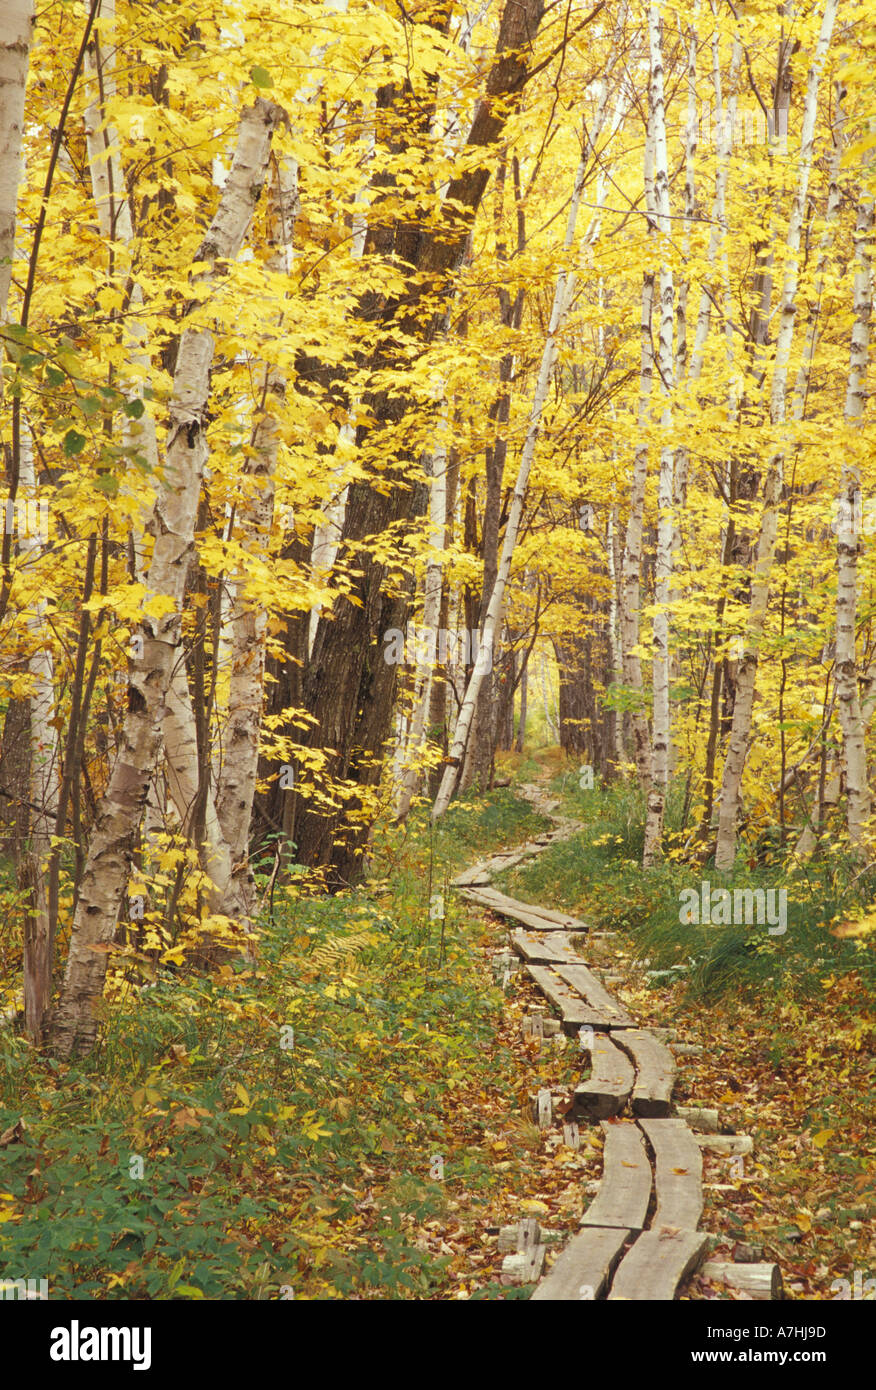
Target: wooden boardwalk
x,y
640,1237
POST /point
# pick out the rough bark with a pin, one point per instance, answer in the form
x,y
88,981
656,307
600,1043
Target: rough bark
x,y
349,688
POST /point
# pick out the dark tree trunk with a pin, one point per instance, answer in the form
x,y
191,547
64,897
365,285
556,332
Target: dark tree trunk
x,y
349,688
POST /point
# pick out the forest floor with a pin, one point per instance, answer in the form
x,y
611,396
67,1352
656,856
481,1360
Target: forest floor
x,y
349,1118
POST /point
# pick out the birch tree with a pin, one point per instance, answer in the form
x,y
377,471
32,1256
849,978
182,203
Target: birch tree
x,y
725,852
660,664
15,43
846,671
103,884
495,610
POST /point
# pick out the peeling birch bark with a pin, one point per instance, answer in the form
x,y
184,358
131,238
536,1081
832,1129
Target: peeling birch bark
x,y
74,1027
234,796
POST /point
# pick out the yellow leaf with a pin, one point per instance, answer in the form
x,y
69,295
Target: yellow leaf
x,y
820,1139
534,1208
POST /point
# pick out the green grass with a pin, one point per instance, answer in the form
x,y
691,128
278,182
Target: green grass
x,y
597,875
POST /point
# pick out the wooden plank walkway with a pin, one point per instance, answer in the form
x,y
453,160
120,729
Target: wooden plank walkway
x,y
619,1253
658,1264
574,1011
608,1089
543,949
655,1071
626,1180
584,1267
678,1173
587,985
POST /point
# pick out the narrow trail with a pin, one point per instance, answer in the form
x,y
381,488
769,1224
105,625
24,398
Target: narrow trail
x,y
640,1238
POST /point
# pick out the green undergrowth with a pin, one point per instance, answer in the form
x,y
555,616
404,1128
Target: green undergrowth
x,y
794,943
287,1130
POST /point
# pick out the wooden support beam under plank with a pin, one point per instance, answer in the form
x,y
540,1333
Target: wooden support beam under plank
x,y
678,1173
574,1011
655,1072
599,999
658,1264
608,1089
625,1189
583,1268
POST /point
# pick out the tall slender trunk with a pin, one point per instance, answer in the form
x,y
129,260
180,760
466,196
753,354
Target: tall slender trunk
x,y
493,620
15,42
74,1027
660,661
43,788
433,586
349,687
725,852
846,671
631,569
248,619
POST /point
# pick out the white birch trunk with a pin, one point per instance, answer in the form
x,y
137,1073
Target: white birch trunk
x,y
44,763
846,670
631,569
178,732
109,855
495,608
663,569
432,588
16,36
725,852
234,797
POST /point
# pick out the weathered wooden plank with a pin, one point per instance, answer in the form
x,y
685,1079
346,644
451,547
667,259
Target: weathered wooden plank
x,y
530,913
544,950
508,908
584,1267
678,1173
655,1072
626,1180
587,985
608,1089
574,1011
560,919
658,1264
